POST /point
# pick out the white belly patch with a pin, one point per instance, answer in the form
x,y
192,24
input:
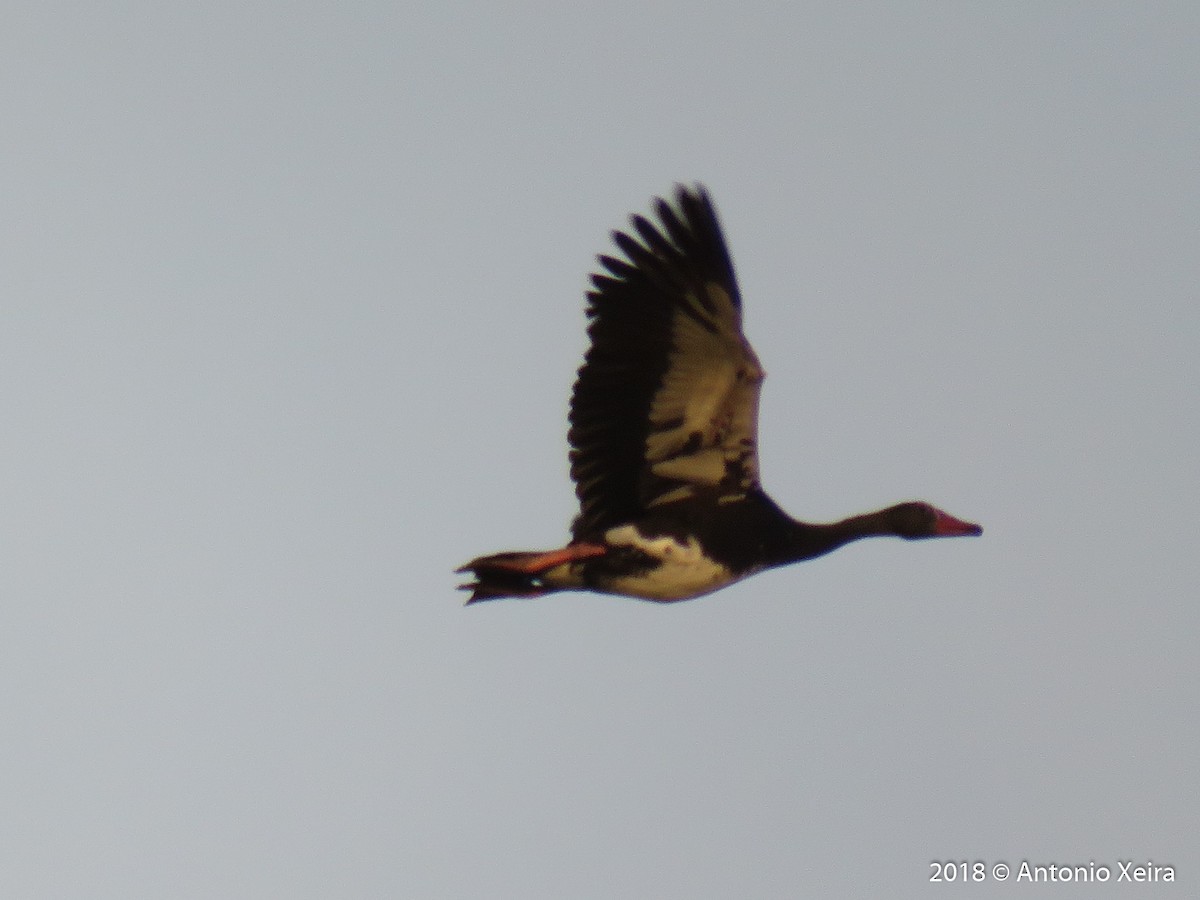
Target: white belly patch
x,y
684,572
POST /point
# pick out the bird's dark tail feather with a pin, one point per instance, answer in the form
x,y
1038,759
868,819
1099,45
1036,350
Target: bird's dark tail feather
x,y
519,573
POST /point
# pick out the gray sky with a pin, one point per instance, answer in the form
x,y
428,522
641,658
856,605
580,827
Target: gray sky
x,y
292,302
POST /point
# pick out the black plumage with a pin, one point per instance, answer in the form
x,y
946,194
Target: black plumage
x,y
663,434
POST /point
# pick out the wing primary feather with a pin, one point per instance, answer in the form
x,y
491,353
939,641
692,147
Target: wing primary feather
x,y
654,239
617,267
678,233
644,261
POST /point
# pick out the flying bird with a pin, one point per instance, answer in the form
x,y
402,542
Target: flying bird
x,y
664,436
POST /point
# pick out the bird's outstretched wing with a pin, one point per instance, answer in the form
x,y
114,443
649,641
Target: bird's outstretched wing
x,y
666,403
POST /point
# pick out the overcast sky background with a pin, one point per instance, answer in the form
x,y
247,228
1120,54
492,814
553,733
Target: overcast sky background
x,y
291,304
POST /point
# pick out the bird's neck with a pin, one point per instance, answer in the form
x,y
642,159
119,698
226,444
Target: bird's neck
x,y
806,540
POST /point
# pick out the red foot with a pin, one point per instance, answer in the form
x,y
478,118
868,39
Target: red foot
x,y
536,563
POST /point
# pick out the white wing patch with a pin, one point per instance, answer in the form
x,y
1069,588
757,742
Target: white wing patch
x,y
683,571
703,417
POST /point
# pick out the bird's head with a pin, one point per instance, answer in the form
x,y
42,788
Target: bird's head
x,y
916,520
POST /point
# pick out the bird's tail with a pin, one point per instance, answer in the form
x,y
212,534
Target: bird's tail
x,y
521,573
